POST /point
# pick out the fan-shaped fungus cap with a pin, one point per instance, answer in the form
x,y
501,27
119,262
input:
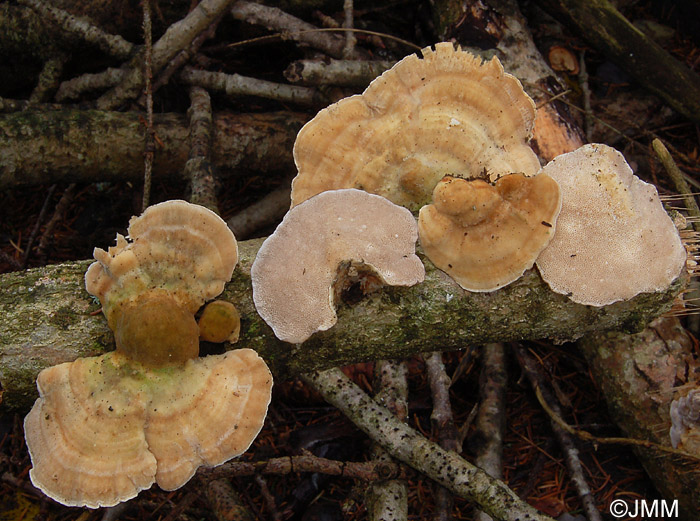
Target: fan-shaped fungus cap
x,y
446,113
485,236
685,422
180,255
219,322
105,428
613,238
182,248
294,270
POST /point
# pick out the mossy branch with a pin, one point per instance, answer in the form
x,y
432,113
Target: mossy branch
x,y
48,317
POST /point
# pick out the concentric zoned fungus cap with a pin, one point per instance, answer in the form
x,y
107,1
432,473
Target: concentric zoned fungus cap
x,y
446,113
219,322
180,255
105,428
685,422
296,266
182,248
613,238
485,236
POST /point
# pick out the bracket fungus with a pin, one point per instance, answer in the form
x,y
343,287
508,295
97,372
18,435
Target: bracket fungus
x,y
614,239
486,235
444,113
180,255
685,422
295,268
105,428
219,322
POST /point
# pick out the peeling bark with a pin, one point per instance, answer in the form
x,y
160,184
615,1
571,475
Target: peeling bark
x,y
640,375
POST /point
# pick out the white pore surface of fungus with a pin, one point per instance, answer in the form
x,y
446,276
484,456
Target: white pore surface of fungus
x,y
613,238
685,422
296,266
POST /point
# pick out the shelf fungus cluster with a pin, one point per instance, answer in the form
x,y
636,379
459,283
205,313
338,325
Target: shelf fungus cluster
x,y
486,235
153,411
447,134
294,272
444,113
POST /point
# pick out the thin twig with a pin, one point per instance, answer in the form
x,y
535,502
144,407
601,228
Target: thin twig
x,y
75,87
404,443
491,419
678,180
37,224
269,499
295,34
150,133
289,26
86,30
350,40
198,168
58,213
364,470
47,83
262,213
236,85
350,73
443,422
632,442
573,463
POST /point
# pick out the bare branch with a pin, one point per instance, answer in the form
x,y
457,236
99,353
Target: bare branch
x,y
447,468
236,85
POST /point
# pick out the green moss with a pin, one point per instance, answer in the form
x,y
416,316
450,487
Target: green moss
x,y
63,317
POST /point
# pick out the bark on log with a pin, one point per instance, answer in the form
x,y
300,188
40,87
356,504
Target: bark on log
x,y
606,29
93,146
502,25
46,320
639,375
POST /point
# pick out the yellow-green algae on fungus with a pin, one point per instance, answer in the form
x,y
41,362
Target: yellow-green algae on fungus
x,y
105,428
175,246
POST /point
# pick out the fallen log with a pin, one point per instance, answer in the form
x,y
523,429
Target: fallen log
x,y
48,318
617,38
640,375
45,147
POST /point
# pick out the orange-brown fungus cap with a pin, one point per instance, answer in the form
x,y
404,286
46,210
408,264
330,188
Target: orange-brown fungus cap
x,y
153,329
219,322
296,266
182,248
485,236
447,113
613,239
104,428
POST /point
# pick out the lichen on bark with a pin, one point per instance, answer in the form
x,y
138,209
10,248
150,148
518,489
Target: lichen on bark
x,y
47,319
